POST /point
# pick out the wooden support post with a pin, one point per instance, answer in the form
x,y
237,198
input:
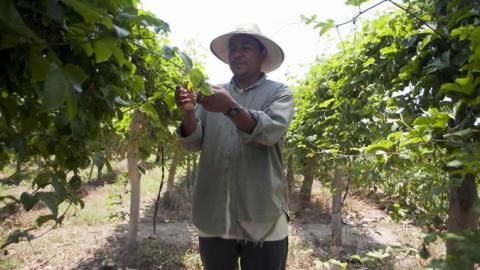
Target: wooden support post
x,y
337,186
134,177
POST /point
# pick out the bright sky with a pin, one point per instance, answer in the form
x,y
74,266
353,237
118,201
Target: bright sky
x,y
279,20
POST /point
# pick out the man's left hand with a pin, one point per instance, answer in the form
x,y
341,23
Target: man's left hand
x,y
221,101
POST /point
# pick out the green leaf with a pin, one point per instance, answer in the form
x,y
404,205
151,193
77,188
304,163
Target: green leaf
x,y
389,50
357,258
17,236
438,121
121,32
430,238
196,77
461,32
102,51
381,145
84,43
413,141
325,26
395,135
424,253
452,87
40,63
355,2
71,102
54,10
461,133
99,160
308,20
198,81
42,219
170,99
439,63
476,101
51,200
422,44
38,68
28,201
326,103
56,87
109,166
77,127
475,34
75,182
206,90
158,25
408,69
105,47
455,163
311,138
378,254
149,110
90,13
139,85
11,19
121,101
59,188
118,54
370,61
77,76
41,180
187,62
168,52
78,201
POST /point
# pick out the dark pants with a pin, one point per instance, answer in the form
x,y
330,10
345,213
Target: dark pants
x,y
223,254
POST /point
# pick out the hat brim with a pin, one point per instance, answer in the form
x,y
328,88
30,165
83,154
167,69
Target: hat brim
x,y
275,56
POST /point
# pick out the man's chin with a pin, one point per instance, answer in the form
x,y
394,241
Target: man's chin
x,y
238,72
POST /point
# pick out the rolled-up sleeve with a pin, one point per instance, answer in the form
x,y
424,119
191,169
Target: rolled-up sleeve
x,y
273,122
192,142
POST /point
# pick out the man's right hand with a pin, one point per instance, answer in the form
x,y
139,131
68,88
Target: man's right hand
x,y
186,102
185,99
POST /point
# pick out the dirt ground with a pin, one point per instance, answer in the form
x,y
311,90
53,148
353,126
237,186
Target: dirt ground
x,y
371,240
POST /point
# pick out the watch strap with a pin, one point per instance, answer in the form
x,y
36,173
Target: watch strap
x,y
233,111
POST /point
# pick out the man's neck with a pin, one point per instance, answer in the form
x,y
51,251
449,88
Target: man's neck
x,y
244,82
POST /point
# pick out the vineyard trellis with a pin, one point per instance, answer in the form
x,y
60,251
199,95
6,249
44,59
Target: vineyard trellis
x,y
72,74
403,94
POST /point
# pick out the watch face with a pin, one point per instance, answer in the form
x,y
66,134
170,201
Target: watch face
x,y
233,111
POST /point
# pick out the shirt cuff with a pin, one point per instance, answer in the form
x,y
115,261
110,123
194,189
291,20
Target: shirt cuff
x,y
247,138
195,136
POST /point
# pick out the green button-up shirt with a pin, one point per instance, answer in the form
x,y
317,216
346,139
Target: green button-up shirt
x,y
247,166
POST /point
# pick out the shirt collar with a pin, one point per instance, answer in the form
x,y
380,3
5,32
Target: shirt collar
x,y
257,83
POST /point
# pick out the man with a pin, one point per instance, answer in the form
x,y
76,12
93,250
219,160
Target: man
x,y
239,200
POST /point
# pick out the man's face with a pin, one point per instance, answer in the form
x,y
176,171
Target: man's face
x,y
245,56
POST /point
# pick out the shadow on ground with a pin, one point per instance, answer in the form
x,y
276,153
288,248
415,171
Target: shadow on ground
x,y
11,209
172,246
368,237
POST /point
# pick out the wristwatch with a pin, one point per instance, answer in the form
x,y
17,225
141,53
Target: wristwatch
x,y
233,111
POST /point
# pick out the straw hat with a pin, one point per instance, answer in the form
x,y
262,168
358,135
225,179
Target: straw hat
x,y
275,55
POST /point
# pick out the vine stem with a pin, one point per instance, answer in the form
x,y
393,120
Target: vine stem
x,y
182,69
341,40
322,152
406,10
423,22
157,201
360,13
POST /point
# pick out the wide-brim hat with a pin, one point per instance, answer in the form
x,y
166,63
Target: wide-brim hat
x,y
275,55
